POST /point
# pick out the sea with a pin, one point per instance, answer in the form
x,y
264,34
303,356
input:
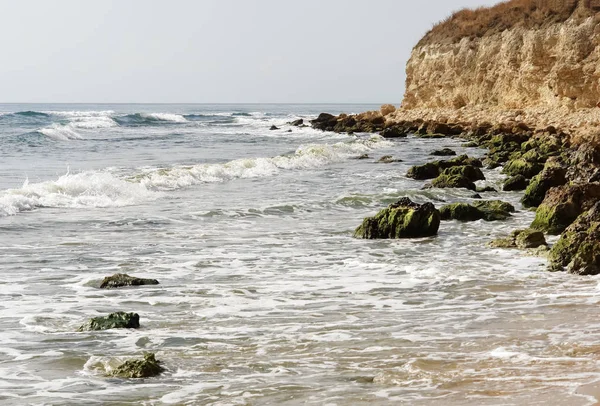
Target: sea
x,y
265,297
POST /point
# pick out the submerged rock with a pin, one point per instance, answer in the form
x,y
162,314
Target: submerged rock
x,y
515,183
119,280
388,159
147,367
113,320
562,205
486,189
403,219
443,152
578,249
522,239
273,128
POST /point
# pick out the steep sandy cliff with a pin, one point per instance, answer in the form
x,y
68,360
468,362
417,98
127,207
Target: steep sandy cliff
x,y
542,72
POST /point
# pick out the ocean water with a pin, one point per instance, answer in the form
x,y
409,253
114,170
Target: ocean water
x,y
264,296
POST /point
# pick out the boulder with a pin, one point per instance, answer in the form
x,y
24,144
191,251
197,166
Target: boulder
x,y
273,128
394,132
403,219
119,280
388,159
325,122
553,175
452,181
563,204
433,169
522,167
443,152
147,367
468,171
515,183
461,212
522,239
387,109
297,123
113,320
578,249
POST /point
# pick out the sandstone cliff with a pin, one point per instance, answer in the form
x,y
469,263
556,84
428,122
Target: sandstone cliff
x,y
522,60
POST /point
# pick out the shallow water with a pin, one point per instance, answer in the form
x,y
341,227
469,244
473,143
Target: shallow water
x,y
264,296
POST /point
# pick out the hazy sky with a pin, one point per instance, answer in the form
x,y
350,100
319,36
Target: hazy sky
x,y
211,51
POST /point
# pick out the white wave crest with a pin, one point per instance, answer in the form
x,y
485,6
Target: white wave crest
x,y
81,190
306,157
93,122
60,133
69,114
175,118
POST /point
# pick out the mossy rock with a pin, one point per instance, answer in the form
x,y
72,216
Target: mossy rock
x,y
403,219
460,161
443,152
471,144
553,175
461,212
486,189
147,367
563,204
578,249
522,167
119,280
494,210
468,171
522,239
515,183
388,159
113,320
453,181
429,170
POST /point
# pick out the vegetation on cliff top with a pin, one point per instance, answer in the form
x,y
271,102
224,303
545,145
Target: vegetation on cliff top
x,y
476,23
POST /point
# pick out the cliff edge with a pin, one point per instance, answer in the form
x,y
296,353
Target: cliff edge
x,y
524,60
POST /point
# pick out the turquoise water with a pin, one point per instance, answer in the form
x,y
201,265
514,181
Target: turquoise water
x,y
265,298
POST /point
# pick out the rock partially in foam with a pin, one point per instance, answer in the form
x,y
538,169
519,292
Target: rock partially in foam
x,y
147,367
403,219
119,280
113,320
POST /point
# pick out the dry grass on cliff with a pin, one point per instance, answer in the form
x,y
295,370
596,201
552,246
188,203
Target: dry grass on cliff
x,y
475,23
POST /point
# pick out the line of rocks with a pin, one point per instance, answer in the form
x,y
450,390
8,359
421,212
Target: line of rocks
x,y
146,367
561,181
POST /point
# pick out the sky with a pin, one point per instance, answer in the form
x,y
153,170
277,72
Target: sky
x,y
211,51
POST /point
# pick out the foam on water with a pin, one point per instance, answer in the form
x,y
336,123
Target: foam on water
x,y
81,190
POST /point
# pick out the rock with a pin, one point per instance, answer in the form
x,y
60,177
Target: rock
x,y
403,219
443,152
432,136
432,170
452,181
273,128
486,189
494,210
119,280
553,175
468,171
471,144
476,196
461,212
578,248
387,109
394,132
363,156
297,123
522,167
113,320
522,239
529,238
563,204
325,122
388,159
147,367
488,210
515,183
289,131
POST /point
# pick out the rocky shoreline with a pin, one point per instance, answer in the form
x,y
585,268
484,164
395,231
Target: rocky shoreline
x,y
558,171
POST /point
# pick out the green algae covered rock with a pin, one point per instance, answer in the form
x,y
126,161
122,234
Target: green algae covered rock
x,y
522,239
147,367
523,167
515,183
468,171
403,219
120,279
578,249
562,205
113,320
494,210
443,152
460,212
433,169
453,181
553,175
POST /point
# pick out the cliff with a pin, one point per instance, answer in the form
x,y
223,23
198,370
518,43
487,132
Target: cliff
x,y
523,60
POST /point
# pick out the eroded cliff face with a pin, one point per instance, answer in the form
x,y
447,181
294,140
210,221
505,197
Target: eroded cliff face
x,y
551,67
